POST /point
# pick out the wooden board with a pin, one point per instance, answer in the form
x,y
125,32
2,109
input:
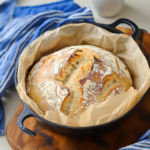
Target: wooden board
x,y
129,132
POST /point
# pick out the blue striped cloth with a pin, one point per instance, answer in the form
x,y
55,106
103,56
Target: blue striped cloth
x,y
19,26
142,144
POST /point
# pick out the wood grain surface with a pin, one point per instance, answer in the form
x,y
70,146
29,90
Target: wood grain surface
x,y
129,132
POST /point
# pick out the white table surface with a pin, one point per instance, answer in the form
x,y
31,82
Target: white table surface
x,y
136,10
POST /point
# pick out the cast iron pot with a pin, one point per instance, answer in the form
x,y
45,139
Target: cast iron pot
x,y
78,131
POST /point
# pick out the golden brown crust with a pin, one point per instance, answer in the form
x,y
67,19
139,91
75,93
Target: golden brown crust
x,y
73,78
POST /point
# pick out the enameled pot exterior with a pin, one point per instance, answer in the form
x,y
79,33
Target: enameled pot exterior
x,y
78,131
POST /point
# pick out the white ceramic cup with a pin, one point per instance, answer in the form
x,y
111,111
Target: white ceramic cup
x,y
108,8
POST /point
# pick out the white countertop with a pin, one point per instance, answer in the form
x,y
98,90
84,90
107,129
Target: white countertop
x,y
136,10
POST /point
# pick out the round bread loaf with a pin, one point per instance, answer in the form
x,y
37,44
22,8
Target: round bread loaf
x,y
72,79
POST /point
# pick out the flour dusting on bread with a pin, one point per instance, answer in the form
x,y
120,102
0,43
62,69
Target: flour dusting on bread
x,y
72,79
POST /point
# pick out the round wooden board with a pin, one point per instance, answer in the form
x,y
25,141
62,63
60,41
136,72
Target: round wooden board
x,y
129,132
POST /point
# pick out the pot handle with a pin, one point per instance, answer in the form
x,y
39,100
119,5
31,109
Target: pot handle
x,y
25,114
130,23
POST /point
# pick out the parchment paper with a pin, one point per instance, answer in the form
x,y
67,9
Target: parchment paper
x,y
86,34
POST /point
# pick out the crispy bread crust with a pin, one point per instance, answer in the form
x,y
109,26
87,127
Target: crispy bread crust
x,y
72,79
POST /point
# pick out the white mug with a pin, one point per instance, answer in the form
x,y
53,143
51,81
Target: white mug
x,y
108,8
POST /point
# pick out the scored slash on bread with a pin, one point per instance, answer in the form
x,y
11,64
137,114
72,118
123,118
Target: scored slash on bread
x,y
72,79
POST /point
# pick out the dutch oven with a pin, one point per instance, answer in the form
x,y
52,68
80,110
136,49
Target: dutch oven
x,y
78,131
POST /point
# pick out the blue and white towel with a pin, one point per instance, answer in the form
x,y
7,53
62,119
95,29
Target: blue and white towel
x,y
142,144
19,26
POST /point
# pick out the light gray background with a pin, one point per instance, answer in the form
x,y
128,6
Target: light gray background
x,y
136,10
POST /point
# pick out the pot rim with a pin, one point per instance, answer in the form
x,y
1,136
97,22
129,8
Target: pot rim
x,y
28,112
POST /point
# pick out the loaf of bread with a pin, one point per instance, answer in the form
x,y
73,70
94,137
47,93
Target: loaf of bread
x,y
73,78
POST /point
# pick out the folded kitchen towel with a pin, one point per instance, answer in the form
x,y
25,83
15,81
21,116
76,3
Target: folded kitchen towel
x,y
19,26
142,144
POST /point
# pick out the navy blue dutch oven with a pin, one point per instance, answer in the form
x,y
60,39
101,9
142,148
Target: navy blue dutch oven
x,y
78,131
